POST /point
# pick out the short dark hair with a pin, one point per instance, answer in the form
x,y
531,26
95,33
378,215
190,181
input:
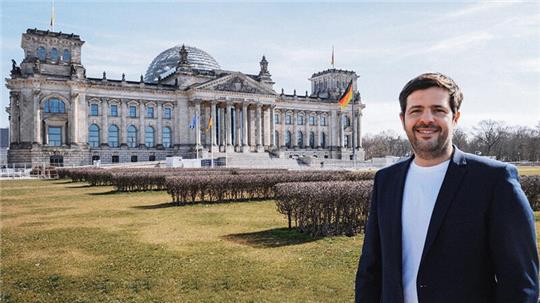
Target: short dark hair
x,y
428,80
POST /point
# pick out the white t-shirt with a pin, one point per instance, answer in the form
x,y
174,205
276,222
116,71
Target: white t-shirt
x,y
422,186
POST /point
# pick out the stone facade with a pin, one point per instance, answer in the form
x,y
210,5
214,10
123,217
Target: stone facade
x,y
58,115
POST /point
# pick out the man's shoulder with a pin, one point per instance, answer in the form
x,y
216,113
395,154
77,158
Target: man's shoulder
x,y
393,169
484,163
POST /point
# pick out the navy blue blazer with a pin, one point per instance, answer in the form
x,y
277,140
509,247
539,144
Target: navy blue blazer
x,y
480,244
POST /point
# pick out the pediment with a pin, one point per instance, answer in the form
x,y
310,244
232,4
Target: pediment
x,y
237,83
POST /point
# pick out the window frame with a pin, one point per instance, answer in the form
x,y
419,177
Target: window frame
x,y
94,106
60,141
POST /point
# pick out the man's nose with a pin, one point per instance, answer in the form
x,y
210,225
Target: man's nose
x,y
427,117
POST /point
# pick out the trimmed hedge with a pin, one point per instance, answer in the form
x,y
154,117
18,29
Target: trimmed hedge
x,y
325,208
221,188
531,187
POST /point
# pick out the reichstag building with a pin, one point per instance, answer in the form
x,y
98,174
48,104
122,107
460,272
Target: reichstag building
x,y
185,105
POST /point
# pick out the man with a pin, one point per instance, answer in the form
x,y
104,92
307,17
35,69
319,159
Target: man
x,y
446,226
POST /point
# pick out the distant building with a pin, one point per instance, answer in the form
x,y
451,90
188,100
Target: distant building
x,y
4,137
4,144
59,115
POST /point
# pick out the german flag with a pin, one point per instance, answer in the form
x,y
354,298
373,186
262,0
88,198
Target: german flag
x,y
347,96
209,124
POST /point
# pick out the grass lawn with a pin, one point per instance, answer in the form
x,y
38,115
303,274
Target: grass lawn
x,y
529,170
67,242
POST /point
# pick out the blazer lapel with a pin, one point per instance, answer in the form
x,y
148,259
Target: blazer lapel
x,y
450,186
395,212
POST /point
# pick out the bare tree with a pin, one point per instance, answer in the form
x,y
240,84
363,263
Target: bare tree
x,y
487,135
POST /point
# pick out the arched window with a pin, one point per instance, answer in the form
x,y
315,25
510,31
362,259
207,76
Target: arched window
x,y
166,137
312,139
113,136
323,140
41,53
149,136
300,139
288,139
54,105
93,135
66,56
132,136
54,54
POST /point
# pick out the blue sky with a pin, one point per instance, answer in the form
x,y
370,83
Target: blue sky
x,y
491,49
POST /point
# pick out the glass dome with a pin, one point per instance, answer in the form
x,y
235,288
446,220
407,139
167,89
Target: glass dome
x,y
165,63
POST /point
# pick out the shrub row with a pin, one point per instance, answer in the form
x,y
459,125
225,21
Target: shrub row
x,y
325,208
531,187
221,188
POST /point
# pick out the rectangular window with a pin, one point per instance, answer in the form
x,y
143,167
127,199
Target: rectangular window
x,y
300,120
149,112
277,118
133,111
152,158
115,159
133,158
323,121
167,113
288,119
94,110
54,136
114,110
311,120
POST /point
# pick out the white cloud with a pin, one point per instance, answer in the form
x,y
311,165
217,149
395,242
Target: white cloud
x,y
461,42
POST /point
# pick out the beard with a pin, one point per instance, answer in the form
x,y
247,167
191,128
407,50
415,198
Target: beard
x,y
432,148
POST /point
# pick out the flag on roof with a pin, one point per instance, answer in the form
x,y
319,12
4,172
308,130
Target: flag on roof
x,y
347,96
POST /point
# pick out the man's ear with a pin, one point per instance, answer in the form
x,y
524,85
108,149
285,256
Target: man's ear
x,y
402,118
456,117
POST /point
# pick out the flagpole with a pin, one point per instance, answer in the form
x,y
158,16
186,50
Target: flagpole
x,y
53,17
353,132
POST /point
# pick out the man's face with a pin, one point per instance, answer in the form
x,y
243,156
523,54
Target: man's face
x,y
429,122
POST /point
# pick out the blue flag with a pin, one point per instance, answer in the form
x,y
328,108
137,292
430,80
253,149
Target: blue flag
x,y
193,123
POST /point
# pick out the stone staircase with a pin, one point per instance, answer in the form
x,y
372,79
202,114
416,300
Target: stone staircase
x,y
261,160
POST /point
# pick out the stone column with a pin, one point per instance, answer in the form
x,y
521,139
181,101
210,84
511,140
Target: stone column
x,y
272,127
159,130
74,127
83,122
245,146
123,119
283,129
228,126
37,119
213,128
306,130
105,122
294,137
197,125
14,125
359,130
258,127
238,131
332,129
341,130
141,124
318,134
221,135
